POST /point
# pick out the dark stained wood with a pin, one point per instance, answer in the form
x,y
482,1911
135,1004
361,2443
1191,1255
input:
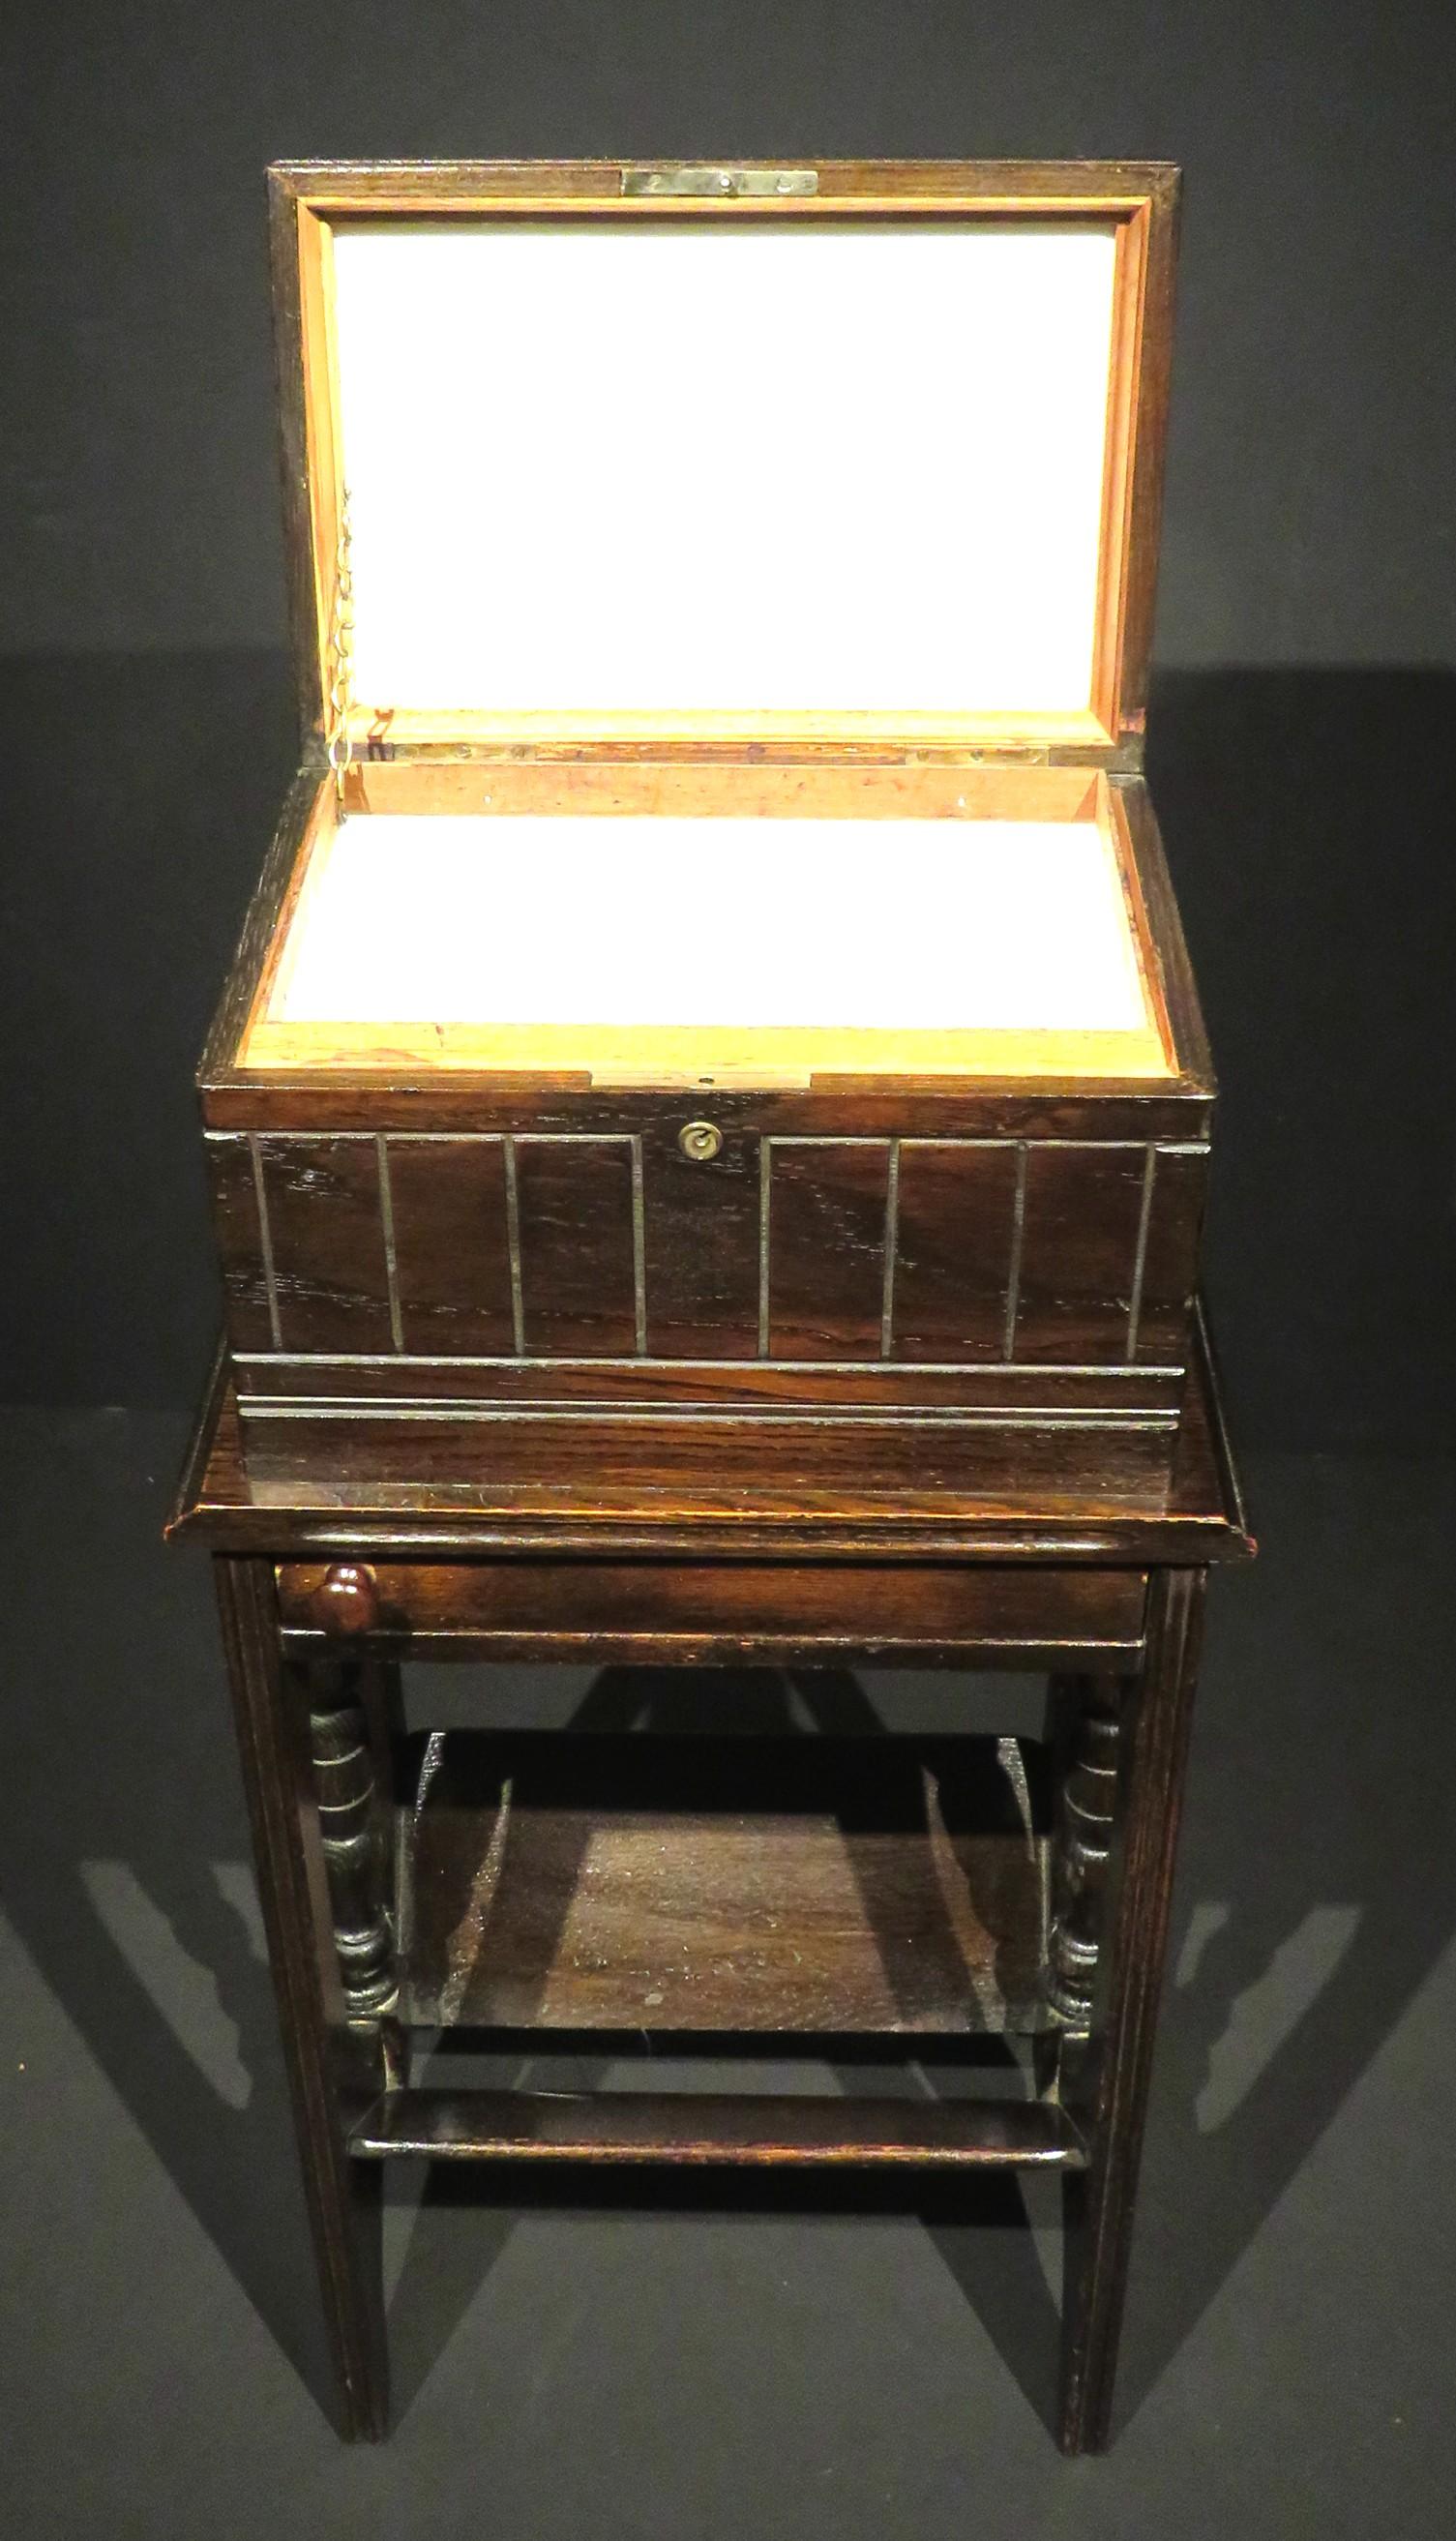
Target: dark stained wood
x,y
343,2207
728,1385
458,183
1085,1742
827,1209
701,1246
1175,974
956,1253
865,1108
432,1517
237,1227
578,1281
1079,1250
1075,1261
1108,2094
452,1250
946,1615
343,1600
353,1838
1205,1419
390,1264
293,451
813,1885
800,1887
614,1464
1170,1266
278,877
331,1272
213,1475
1150,432
698,2128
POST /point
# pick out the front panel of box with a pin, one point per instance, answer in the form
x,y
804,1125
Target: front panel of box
x,y
1032,1289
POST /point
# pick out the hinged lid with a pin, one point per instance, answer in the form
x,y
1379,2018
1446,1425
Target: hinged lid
x,y
847,457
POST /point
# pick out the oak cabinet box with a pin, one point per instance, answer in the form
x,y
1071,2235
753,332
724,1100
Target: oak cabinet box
x,y
715,999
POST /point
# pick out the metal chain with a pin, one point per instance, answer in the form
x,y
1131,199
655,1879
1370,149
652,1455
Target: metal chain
x,y
341,653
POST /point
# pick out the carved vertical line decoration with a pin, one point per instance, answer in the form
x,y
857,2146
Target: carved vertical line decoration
x,y
1086,1808
265,1242
387,1221
891,1248
1139,1258
1013,1268
512,1245
354,1860
639,1251
766,1173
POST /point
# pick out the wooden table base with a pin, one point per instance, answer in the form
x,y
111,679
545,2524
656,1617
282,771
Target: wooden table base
x,y
906,1890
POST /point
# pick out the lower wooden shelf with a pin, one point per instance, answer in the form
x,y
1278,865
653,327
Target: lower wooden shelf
x,y
889,1886
766,2132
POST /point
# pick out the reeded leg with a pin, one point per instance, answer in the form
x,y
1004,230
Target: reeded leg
x,y
1124,1745
322,1866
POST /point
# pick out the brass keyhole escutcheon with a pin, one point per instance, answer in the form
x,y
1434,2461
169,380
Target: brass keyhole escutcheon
x,y
701,1141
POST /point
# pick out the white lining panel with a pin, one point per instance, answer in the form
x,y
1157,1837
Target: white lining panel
x,y
748,467
736,922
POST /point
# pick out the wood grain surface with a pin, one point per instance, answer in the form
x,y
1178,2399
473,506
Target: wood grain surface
x,y
951,1615
704,2129
777,1513
811,1886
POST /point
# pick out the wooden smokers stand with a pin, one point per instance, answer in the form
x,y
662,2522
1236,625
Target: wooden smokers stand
x,y
707,1129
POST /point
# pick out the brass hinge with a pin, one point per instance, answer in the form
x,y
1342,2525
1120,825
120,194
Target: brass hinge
x,y
724,183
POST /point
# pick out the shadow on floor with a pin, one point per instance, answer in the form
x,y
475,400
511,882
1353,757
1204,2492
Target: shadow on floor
x,y
1314,1890
124,1843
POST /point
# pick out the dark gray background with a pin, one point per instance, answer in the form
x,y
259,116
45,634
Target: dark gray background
x,y
1302,726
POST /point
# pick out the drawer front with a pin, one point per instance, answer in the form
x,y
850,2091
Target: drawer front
x,y
659,1244
1001,1615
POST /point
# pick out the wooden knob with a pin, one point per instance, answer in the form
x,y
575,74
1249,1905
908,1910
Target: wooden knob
x,y
346,1600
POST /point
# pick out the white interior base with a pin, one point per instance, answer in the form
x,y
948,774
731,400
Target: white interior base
x,y
960,925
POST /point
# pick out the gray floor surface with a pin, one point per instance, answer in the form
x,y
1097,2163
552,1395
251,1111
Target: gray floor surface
x,y
717,2370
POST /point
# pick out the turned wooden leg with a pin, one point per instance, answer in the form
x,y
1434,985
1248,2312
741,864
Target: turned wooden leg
x,y
321,1871
355,1842
1122,1747
1085,1742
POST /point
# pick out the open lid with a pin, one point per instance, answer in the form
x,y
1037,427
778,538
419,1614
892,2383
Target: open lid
x,y
846,456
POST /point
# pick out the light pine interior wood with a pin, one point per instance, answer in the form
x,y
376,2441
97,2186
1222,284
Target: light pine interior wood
x,y
715,925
